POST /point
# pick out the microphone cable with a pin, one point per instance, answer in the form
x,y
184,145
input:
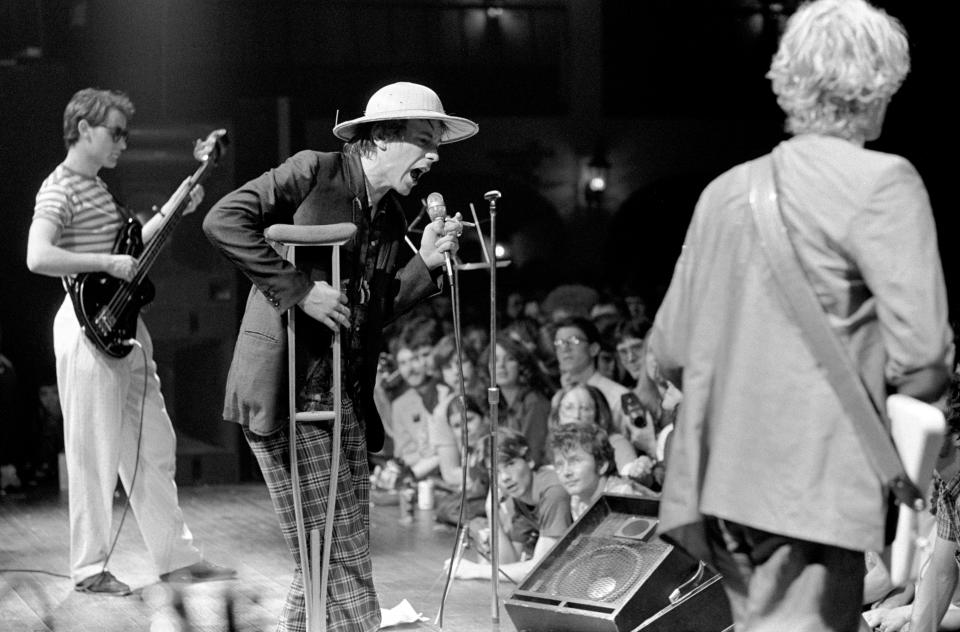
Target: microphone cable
x,y
133,481
460,539
136,463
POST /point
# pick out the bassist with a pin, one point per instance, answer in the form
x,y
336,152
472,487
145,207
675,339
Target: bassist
x,y
115,421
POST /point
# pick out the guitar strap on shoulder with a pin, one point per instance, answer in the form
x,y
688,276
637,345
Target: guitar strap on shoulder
x,y
799,296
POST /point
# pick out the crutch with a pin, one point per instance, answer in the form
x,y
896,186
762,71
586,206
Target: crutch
x,y
291,236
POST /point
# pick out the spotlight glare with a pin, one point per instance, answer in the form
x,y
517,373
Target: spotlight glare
x,y
597,184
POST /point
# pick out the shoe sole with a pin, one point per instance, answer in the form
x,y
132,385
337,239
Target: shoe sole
x,y
88,591
196,580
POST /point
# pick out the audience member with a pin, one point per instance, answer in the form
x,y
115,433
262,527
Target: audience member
x,y
410,411
514,305
659,399
534,513
585,404
583,458
531,309
445,358
635,303
476,336
529,332
11,424
940,579
577,343
50,428
524,394
446,435
448,364
567,301
442,307
426,330
545,341
607,364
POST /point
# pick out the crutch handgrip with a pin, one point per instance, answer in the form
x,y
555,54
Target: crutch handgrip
x,y
311,235
316,415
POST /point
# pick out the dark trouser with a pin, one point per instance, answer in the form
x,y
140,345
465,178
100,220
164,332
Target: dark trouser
x,y
351,599
777,583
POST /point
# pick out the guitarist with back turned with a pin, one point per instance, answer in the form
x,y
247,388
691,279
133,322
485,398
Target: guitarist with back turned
x,y
114,418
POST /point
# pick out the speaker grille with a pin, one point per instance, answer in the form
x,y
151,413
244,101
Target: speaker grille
x,y
603,569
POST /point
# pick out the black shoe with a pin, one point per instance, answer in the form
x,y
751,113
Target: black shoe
x,y
103,584
202,571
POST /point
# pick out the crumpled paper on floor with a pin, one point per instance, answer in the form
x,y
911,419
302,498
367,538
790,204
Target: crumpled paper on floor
x,y
403,612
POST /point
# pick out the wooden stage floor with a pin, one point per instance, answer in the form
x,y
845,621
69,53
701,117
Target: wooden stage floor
x,y
234,525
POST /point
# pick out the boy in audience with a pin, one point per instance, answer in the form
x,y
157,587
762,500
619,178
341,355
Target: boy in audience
x,y
583,458
534,513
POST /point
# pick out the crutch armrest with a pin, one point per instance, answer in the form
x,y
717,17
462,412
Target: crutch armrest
x,y
311,235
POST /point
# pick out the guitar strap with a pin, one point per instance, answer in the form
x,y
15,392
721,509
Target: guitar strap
x,y
799,296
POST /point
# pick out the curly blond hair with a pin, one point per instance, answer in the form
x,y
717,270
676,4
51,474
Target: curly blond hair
x,y
837,62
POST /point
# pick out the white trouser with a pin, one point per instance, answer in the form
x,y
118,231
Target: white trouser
x,y
102,398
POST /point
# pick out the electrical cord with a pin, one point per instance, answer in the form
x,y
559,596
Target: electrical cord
x,y
460,539
136,463
133,480
33,570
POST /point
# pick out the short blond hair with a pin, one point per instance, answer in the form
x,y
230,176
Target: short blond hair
x,y
837,60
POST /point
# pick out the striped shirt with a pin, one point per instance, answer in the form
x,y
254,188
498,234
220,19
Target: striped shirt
x,y
85,213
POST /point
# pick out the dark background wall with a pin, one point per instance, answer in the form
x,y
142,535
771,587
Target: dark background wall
x,y
669,93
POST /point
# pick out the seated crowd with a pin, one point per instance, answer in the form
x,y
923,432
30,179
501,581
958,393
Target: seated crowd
x,y
580,410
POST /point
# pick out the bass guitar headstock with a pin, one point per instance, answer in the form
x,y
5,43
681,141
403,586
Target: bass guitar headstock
x,y
212,147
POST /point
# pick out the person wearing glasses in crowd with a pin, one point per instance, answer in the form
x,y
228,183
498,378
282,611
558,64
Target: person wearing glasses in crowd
x,y
586,404
577,343
114,418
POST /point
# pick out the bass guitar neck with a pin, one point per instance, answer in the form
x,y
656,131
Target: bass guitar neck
x,y
108,308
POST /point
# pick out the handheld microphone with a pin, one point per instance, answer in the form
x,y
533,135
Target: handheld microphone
x,y
633,409
437,210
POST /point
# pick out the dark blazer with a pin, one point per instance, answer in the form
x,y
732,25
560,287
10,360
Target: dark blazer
x,y
309,188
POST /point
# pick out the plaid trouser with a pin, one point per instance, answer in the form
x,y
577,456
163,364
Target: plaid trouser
x,y
351,599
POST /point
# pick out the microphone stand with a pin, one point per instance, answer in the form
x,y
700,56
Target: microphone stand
x,y
493,398
461,539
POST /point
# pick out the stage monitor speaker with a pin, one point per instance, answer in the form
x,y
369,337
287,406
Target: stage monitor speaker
x,y
611,573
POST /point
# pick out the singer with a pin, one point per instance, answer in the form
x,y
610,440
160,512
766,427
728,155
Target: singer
x,y
387,151
768,477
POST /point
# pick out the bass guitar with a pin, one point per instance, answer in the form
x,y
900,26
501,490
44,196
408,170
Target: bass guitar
x,y
107,307
917,429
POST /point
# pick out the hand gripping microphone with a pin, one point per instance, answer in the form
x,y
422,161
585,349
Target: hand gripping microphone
x,y
437,210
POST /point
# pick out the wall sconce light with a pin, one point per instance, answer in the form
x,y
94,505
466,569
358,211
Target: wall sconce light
x,y
596,175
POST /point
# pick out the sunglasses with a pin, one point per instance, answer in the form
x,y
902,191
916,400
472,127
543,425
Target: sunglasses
x,y
117,133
